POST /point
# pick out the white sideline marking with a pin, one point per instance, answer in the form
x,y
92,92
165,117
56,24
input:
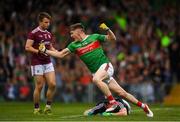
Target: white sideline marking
x,y
135,110
72,116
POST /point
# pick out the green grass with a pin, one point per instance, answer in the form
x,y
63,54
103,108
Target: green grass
x,y
23,111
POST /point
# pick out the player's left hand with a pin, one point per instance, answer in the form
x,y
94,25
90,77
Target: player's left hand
x,y
103,26
42,48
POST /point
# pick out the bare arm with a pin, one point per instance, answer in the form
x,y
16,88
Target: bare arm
x,y
110,35
58,54
52,48
29,47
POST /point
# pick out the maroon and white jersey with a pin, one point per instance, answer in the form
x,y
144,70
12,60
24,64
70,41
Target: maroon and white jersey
x,y
39,36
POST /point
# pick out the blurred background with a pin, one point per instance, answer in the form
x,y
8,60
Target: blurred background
x,y
146,55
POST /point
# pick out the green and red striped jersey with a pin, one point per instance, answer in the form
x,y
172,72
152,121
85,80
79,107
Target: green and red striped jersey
x,y
90,51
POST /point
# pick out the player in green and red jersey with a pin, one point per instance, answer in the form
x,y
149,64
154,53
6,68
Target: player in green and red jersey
x,y
88,48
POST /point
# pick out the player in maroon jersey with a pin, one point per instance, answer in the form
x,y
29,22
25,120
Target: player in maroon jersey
x,y
41,66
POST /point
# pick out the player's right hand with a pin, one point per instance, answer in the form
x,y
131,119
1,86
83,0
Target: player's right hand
x,y
42,48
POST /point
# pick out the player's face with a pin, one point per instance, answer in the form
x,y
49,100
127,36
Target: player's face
x,y
75,34
45,23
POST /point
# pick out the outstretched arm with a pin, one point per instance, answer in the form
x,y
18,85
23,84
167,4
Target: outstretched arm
x,y
110,35
52,48
57,54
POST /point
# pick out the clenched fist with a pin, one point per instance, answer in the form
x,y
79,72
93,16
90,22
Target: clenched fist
x,y
103,26
42,48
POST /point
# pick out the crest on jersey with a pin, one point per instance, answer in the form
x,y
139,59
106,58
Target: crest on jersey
x,y
40,36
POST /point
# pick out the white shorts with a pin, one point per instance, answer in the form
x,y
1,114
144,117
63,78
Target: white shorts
x,y
42,69
109,69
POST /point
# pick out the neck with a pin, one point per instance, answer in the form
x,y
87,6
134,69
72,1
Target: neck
x,y
40,27
83,36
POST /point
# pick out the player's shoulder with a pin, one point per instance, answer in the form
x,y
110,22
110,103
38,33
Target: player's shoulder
x,y
95,34
48,32
73,43
35,30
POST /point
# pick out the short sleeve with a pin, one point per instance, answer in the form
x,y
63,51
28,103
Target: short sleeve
x,y
31,36
71,47
100,37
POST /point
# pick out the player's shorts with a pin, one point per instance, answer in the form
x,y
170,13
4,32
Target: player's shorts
x,y
42,69
109,69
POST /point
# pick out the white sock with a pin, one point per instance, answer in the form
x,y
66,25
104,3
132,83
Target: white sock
x,y
48,106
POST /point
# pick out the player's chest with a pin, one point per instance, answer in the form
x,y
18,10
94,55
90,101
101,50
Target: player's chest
x,y
82,48
43,37
83,43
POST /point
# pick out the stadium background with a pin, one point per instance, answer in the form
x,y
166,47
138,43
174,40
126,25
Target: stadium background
x,y
145,56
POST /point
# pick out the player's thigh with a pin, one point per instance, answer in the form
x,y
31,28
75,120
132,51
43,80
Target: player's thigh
x,y
105,72
100,75
49,74
50,78
39,81
115,87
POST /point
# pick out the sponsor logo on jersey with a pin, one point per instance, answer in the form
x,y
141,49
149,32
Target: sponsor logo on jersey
x,y
88,48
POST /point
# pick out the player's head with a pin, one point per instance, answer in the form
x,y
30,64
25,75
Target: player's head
x,y
76,30
44,20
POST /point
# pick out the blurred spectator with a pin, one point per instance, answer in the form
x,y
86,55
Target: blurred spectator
x,y
11,91
24,91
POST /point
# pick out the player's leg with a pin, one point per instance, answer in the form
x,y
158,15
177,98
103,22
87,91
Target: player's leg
x,y
115,87
99,77
50,78
39,82
37,73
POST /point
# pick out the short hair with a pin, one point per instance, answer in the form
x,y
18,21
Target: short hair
x,y
75,26
43,15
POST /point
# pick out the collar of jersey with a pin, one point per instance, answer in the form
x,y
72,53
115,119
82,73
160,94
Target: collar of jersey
x,y
85,38
41,29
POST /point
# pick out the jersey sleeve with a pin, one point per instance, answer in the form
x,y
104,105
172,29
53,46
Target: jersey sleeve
x,y
31,36
71,47
100,37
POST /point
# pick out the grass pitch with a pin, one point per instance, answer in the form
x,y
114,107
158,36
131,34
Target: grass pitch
x,y
23,111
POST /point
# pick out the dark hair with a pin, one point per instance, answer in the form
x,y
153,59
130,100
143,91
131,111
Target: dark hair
x,y
43,15
75,26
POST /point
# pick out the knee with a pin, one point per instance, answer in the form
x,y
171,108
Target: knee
x,y
52,85
96,79
39,87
